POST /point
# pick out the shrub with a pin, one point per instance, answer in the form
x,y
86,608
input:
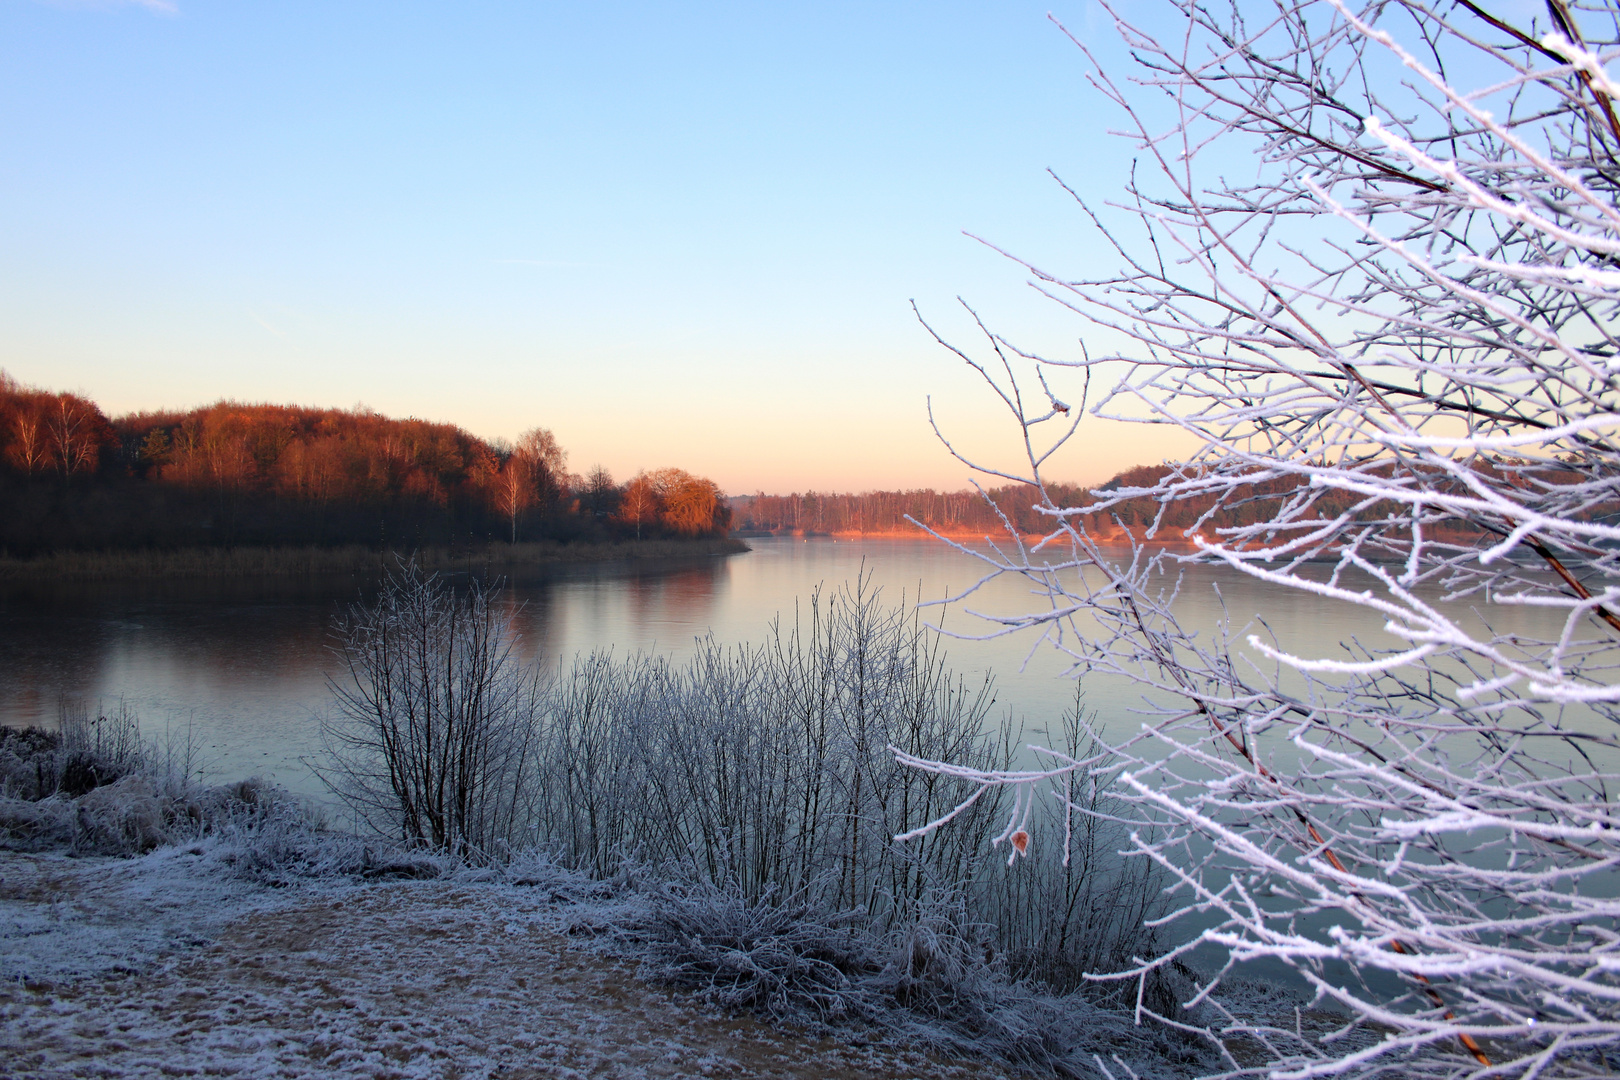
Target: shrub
x,y
763,771
431,741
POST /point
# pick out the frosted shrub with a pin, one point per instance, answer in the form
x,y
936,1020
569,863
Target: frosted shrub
x,y
97,786
29,763
762,771
100,750
923,982
766,766
431,740
79,756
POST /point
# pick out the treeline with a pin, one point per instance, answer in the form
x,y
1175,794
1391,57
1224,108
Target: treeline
x,y
230,474
947,511
887,511
969,512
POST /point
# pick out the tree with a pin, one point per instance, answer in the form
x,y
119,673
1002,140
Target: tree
x,y
693,505
29,449
41,431
1395,345
547,463
512,487
599,496
642,502
676,501
529,475
21,430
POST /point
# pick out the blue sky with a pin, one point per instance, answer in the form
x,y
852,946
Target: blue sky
x,y
673,234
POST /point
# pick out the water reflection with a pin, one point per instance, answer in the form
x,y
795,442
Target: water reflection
x,y
243,665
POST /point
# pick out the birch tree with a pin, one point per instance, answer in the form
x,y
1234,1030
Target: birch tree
x,y
1394,342
546,461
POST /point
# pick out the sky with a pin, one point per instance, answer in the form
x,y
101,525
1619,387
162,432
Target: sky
x,y
680,235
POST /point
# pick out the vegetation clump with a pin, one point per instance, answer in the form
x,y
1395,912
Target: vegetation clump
x,y
750,802
95,787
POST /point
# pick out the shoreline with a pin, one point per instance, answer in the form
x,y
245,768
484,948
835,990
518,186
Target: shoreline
x,y
1110,538
307,561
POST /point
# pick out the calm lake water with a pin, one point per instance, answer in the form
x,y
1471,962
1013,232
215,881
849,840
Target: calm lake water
x,y
243,665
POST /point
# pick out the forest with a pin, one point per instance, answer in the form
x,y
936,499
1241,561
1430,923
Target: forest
x,y
1111,508
235,474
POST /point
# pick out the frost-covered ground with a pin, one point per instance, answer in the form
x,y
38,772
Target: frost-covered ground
x,y
171,965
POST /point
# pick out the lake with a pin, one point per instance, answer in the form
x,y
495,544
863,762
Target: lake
x,y
242,665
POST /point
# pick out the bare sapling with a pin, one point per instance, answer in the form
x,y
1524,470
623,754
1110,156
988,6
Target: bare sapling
x,y
431,739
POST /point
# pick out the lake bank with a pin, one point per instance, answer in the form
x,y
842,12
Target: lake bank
x,y
352,559
1169,538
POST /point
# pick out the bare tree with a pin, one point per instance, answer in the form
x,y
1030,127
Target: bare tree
x,y
512,486
432,736
75,435
29,448
547,462
1395,346
599,493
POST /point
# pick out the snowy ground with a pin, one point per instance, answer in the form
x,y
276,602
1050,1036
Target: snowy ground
x,y
168,966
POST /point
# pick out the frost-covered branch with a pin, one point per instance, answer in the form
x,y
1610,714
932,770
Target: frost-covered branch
x,y
1396,350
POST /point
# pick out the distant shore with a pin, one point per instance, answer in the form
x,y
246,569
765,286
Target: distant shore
x,y
1108,537
352,559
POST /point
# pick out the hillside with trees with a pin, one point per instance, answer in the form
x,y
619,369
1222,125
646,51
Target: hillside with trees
x,y
230,474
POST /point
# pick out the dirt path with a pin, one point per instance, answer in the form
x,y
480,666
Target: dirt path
x,y
407,979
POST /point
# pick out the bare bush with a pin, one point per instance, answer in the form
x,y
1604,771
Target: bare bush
x,y
763,771
767,766
431,741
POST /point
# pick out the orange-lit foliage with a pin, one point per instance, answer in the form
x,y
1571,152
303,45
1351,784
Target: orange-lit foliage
x,y
50,434
533,475
674,501
313,455
233,473
639,507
